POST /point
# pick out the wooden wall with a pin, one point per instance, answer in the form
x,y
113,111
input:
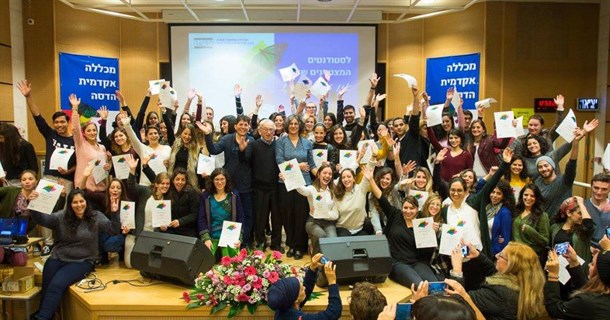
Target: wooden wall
x,y
6,73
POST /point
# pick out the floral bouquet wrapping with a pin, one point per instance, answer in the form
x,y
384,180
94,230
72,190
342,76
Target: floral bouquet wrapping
x,y
239,282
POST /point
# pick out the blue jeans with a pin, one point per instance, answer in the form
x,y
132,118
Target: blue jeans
x,y
411,273
108,243
57,276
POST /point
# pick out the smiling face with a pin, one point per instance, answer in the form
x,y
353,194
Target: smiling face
x,y
533,146
90,132
179,182
447,123
348,115
242,127
163,128
224,126
186,136
152,135
529,198
338,136
409,211
454,141
347,178
310,109
28,181
328,122
309,123
114,190
534,126
399,126
476,129
120,138
220,182
456,192
319,134
326,176
434,207
209,114
600,191
545,170
575,216
185,119
420,180
266,130
79,205
279,123
293,127
496,196
468,177
153,119
385,181
516,167
162,187
60,124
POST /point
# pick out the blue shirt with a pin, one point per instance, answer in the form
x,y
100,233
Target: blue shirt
x,y
303,152
237,163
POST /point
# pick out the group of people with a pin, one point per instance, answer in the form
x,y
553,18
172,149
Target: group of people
x,y
509,196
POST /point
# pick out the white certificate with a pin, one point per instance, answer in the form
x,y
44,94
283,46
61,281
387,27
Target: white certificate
x,y
121,168
155,86
156,164
434,114
320,87
368,152
411,81
205,164
504,124
128,214
421,197
2,173
423,230
450,238
60,158
567,126
293,177
48,194
98,173
320,156
219,160
519,128
167,95
161,213
230,233
564,275
347,158
485,103
289,73
457,98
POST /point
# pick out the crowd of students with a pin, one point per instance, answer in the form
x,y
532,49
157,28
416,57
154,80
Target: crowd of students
x,y
510,196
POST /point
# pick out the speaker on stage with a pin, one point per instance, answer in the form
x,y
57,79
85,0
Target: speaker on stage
x,y
358,258
170,257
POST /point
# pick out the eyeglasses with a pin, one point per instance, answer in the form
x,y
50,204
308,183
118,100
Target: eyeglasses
x,y
266,129
499,255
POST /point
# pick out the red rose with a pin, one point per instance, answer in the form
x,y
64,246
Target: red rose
x,y
242,297
225,261
273,277
250,271
186,297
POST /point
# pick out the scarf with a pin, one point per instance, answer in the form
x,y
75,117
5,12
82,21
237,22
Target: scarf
x,y
492,210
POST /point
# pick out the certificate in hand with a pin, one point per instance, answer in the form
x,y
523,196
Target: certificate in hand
x,y
504,124
320,156
421,197
48,194
293,177
60,158
230,234
98,172
450,238
162,213
156,164
347,158
121,168
128,214
423,230
205,164
567,126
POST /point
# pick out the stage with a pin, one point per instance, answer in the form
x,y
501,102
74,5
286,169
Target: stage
x,y
161,300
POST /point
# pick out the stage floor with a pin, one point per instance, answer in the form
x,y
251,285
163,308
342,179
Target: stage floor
x,y
160,300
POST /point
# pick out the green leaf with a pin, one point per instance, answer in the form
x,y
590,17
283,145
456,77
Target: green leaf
x,y
235,310
194,304
252,308
314,296
220,306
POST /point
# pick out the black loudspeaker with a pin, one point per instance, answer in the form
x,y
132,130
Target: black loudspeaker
x,y
359,258
170,257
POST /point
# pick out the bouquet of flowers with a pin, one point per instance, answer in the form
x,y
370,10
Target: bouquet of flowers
x,y
238,282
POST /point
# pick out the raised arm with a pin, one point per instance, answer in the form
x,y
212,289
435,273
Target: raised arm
x,y
141,113
559,101
239,109
25,87
78,134
137,145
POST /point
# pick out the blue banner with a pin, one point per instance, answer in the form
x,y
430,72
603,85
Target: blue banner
x,y
459,71
93,79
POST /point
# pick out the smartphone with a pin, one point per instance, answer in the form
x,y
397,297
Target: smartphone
x,y
436,288
404,311
562,248
324,260
465,251
608,232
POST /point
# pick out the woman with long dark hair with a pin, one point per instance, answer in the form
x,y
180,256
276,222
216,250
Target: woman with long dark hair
x,y
457,158
385,179
113,241
517,176
16,155
185,205
500,216
72,257
530,223
482,147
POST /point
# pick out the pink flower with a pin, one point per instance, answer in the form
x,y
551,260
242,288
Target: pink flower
x,y
239,258
273,277
259,253
243,253
225,261
186,297
242,297
276,255
228,280
246,287
250,271
257,284
266,274
200,296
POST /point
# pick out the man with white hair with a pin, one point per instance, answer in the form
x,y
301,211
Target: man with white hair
x,y
264,186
